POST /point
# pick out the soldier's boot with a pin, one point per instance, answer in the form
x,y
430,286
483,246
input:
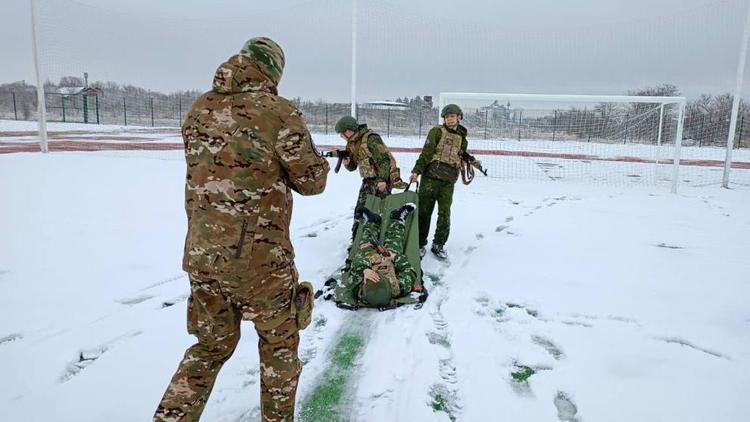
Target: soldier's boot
x,y
369,216
400,214
439,252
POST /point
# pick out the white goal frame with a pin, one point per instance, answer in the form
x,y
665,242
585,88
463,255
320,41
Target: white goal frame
x,y
448,97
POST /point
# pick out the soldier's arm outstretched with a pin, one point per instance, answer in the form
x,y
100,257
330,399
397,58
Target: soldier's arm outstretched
x,y
306,169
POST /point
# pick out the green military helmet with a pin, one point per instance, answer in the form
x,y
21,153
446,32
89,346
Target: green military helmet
x,y
268,54
377,294
452,109
346,122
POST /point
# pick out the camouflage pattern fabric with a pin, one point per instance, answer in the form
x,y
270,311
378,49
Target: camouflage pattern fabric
x,y
395,240
368,187
442,166
215,320
431,191
246,150
268,56
369,153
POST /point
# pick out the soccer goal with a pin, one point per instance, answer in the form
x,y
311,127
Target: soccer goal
x,y
607,139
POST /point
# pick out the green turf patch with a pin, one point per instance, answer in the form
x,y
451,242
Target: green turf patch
x,y
435,279
320,321
439,403
347,350
522,373
323,405
443,400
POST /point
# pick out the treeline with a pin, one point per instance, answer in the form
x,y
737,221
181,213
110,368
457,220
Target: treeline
x,y
706,118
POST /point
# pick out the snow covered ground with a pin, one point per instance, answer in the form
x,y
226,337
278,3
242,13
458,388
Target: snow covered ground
x,y
626,303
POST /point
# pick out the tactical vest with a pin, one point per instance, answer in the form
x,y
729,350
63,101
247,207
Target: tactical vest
x,y
384,265
367,170
446,162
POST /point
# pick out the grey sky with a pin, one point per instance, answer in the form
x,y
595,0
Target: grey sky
x,y
419,47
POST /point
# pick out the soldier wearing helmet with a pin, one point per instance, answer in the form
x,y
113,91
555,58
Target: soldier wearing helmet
x,y
439,165
366,150
246,150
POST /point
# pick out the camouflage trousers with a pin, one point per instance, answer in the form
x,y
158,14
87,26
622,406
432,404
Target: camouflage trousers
x,y
214,318
431,191
395,240
369,187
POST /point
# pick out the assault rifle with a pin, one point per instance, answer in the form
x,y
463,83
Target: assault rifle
x,y
340,154
471,160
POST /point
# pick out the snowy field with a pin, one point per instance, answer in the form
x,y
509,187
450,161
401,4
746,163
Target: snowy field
x,y
563,301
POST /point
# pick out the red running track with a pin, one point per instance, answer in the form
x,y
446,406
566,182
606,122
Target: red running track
x,y
63,145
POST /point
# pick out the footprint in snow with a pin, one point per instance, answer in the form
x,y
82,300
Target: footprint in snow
x,y
11,338
86,357
566,409
175,300
129,301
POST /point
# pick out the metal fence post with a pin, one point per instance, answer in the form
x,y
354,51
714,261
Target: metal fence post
x,y
554,126
419,132
742,126
486,113
179,108
152,110
326,118
96,99
62,102
627,117
85,108
520,117
388,122
15,109
125,110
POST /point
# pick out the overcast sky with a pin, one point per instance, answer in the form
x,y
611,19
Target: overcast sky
x,y
419,47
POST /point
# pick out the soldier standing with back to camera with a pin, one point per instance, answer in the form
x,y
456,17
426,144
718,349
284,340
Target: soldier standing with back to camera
x,y
246,149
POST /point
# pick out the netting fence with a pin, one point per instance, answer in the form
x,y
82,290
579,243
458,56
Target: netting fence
x,y
146,69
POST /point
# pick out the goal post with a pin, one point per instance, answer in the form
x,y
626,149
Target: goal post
x,y
622,134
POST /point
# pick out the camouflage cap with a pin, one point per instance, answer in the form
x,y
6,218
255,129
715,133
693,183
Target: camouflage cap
x,y
377,294
451,109
268,54
346,122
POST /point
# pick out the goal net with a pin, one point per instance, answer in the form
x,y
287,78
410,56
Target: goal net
x,y
606,139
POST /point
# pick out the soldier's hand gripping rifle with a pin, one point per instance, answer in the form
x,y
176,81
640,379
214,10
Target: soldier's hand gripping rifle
x,y
469,162
340,154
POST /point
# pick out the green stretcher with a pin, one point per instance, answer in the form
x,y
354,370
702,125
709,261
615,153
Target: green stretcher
x,y
336,288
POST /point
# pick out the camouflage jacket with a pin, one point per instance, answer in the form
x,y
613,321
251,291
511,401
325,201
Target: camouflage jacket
x,y
425,160
381,161
404,272
246,150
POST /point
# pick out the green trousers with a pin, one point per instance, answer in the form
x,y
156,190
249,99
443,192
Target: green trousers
x,y
431,191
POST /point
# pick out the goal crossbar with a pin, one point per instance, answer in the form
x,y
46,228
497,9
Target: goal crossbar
x,y
563,98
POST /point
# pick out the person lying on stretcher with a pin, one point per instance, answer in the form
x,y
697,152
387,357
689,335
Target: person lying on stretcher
x,y
380,272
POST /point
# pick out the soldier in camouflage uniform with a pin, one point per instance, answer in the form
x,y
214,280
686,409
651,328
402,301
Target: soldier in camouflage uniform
x,y
246,149
377,166
439,164
380,272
